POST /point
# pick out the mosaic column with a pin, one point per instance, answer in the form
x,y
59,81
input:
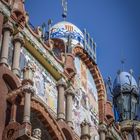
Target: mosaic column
x,y
61,85
7,31
85,130
18,42
69,104
28,90
102,131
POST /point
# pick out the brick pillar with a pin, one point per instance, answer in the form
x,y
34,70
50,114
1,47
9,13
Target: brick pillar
x,y
7,30
85,130
69,104
18,42
101,101
102,131
61,85
13,112
28,90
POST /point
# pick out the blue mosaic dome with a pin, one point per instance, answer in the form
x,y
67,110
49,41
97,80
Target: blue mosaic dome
x,y
125,82
63,29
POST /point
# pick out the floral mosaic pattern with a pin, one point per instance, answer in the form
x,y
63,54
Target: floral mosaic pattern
x,y
86,100
44,83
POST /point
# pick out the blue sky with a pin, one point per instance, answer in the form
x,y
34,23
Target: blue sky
x,y
113,24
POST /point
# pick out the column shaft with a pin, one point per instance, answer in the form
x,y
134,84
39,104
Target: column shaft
x,y
27,107
60,107
13,112
28,91
16,58
69,104
5,47
102,135
85,130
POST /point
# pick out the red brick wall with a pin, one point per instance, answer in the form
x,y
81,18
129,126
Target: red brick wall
x,y
14,82
109,111
101,101
3,92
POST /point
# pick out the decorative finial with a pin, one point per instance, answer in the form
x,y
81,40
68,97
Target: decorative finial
x,y
69,43
49,27
109,84
131,71
122,62
69,40
118,72
64,5
44,31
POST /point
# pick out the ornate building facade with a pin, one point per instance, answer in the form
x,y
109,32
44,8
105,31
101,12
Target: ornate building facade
x,y
51,87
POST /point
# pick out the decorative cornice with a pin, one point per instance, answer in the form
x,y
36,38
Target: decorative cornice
x,y
128,125
42,54
4,9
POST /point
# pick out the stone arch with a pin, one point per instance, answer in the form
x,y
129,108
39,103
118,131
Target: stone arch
x,y
6,77
68,132
9,81
47,119
79,51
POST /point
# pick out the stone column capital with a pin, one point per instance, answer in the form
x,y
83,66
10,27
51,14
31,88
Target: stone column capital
x,y
8,27
85,123
28,75
102,128
70,91
18,38
28,89
85,130
62,83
